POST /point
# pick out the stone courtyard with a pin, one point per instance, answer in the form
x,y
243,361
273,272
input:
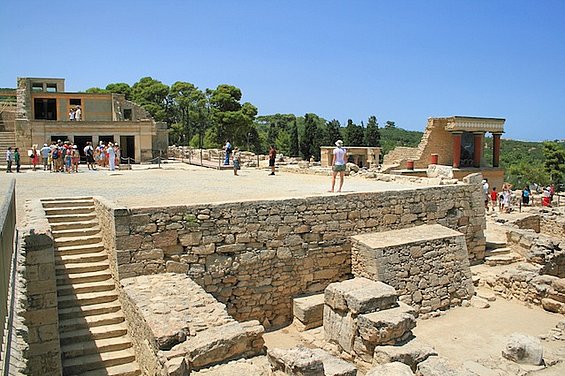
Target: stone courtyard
x,y
218,274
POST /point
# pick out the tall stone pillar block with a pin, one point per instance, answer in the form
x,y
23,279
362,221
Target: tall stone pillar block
x,y
496,149
456,149
477,142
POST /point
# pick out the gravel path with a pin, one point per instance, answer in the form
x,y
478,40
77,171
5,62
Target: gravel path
x,y
178,184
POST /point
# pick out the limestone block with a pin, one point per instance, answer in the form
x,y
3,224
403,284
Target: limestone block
x,y
339,327
309,310
391,369
559,285
334,366
165,238
129,242
224,342
360,295
176,267
436,366
439,171
231,248
411,353
386,326
297,361
553,305
177,367
523,349
479,302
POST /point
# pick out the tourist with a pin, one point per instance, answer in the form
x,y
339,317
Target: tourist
x,y
68,160
551,191
45,150
227,152
75,158
485,192
17,159
338,164
526,195
9,159
546,198
78,114
111,156
506,199
118,153
236,160
89,153
493,198
34,156
72,115
272,158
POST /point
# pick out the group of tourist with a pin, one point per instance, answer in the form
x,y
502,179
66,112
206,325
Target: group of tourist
x,y
75,114
65,157
504,198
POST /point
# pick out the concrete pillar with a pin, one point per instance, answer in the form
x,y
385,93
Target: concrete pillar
x,y
456,149
496,149
477,143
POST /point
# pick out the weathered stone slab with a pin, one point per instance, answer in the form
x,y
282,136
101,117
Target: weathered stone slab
x,y
309,310
523,349
436,366
334,366
384,327
411,353
298,361
360,295
340,327
218,344
391,369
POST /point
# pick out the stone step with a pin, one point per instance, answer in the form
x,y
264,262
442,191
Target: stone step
x,y
66,202
81,288
76,232
308,311
80,258
498,251
494,244
67,301
69,210
131,369
81,364
89,310
95,347
98,276
60,226
77,240
90,322
98,332
80,249
506,259
86,267
71,218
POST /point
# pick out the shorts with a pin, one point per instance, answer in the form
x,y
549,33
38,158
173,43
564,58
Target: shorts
x,y
338,168
272,162
90,159
236,165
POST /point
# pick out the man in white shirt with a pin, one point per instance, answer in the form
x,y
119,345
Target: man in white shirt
x,y
338,164
45,150
78,114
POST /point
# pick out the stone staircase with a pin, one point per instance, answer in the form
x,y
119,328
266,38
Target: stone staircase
x,y
497,253
92,328
7,139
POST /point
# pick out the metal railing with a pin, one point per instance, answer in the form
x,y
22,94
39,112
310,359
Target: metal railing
x,y
7,268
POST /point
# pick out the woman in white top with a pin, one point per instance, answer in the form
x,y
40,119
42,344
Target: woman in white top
x,y
338,164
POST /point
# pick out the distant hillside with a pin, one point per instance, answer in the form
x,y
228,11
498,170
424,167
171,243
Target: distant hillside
x,y
393,137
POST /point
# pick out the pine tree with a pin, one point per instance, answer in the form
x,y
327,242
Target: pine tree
x,y
309,145
354,134
333,133
294,143
372,133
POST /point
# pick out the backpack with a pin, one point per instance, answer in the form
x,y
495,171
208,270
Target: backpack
x,y
55,154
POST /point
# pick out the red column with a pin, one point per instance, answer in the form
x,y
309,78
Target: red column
x,y
496,149
478,143
456,150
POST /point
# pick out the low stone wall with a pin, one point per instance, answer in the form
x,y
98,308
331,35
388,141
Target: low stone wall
x,y
428,265
40,306
552,222
548,252
255,256
527,222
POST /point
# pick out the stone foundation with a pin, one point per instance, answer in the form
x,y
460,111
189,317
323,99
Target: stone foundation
x,y
427,265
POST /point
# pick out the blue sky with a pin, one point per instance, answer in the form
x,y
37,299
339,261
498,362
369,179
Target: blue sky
x,y
398,60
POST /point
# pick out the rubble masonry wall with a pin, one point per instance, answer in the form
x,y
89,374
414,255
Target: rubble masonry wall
x,y
256,256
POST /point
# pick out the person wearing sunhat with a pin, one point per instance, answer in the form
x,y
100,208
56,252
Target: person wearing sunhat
x,y
338,164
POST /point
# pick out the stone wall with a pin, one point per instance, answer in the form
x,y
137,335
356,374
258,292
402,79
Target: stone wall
x,y
255,256
548,252
427,265
552,222
40,316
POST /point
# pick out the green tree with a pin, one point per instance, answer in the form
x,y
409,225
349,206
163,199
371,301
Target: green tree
x,y
554,164
309,145
96,90
152,95
120,88
333,132
188,104
372,133
272,134
294,141
524,173
390,124
354,134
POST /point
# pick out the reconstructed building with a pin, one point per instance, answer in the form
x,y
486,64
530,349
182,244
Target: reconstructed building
x,y
40,114
360,155
457,141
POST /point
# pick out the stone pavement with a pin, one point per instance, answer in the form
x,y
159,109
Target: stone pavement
x,y
178,183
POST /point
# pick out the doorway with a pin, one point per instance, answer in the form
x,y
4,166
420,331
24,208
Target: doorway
x,y
127,147
106,139
80,142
